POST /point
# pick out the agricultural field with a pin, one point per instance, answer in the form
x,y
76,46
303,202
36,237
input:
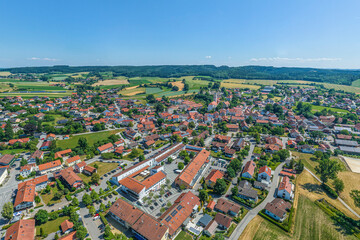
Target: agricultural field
x,y
316,108
90,137
179,84
310,223
356,83
235,83
5,74
153,90
112,82
31,95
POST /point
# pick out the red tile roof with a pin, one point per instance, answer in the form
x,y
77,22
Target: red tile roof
x,y
285,184
249,167
49,165
66,225
214,175
105,147
265,169
23,229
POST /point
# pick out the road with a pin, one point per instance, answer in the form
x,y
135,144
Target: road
x,y
253,212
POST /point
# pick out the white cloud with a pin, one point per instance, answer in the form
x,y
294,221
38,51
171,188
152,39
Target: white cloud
x,y
207,57
282,59
43,59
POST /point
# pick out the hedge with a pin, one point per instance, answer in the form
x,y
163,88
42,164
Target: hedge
x,y
329,190
103,219
243,201
68,198
280,225
41,205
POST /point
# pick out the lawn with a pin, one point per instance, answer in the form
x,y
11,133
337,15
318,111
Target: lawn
x,y
51,226
310,223
103,167
53,123
316,108
14,151
184,236
91,138
48,198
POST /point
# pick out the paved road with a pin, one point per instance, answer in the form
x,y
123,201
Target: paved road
x,y
342,201
253,212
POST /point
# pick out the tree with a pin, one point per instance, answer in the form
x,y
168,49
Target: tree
x,y
220,186
41,232
86,199
37,199
75,202
8,210
355,195
30,128
339,185
191,125
234,191
41,217
159,107
327,169
9,131
81,232
141,157
231,172
83,143
58,195
181,165
203,195
95,178
150,98
92,210
94,195
218,236
56,237
102,207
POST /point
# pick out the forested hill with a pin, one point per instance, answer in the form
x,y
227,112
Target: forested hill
x,y
337,76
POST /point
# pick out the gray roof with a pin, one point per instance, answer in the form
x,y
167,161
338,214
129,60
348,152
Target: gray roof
x,y
349,149
2,171
205,220
346,143
251,193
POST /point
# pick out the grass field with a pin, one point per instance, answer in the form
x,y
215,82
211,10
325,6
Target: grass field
x,y
91,138
153,90
53,123
316,108
183,236
110,82
356,83
351,182
103,167
131,91
48,198
51,226
5,74
310,223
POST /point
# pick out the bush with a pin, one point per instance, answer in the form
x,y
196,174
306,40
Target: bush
x,y
329,190
68,198
103,219
243,201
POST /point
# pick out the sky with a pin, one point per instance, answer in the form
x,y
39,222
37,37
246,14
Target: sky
x,y
288,33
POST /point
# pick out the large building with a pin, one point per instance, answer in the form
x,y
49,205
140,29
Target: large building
x,y
142,225
49,167
183,208
7,160
23,229
69,178
191,174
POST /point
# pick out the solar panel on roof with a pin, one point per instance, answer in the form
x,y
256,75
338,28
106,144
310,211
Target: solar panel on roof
x,y
174,213
179,207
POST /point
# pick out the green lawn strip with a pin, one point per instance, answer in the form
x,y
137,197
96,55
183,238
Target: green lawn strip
x,y
51,226
91,138
183,236
48,198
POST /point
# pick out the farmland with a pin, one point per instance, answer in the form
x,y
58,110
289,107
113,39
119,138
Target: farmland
x,y
111,82
90,137
237,83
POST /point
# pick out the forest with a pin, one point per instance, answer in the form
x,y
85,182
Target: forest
x,y
336,76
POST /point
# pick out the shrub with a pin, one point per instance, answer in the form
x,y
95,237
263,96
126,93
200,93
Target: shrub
x,y
329,190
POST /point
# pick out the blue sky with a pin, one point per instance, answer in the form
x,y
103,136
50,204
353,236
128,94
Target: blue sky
x,y
300,33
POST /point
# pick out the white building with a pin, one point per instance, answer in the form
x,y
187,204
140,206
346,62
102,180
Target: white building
x,y
3,175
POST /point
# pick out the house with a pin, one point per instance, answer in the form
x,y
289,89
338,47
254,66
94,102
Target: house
x,y
79,167
109,147
264,174
229,152
61,154
210,229
73,160
227,207
249,169
7,160
275,141
25,196
66,226
214,175
38,154
233,127
212,106
306,149
39,116
285,190
50,137
211,205
70,236
223,221
49,167
69,178
294,133
24,229
248,194
26,170
88,170
239,144
45,145
185,206
3,174
277,209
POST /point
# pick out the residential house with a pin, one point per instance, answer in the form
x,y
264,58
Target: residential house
x,y
38,154
106,148
213,176
277,209
264,174
223,221
7,160
49,167
227,207
24,229
285,189
249,169
3,174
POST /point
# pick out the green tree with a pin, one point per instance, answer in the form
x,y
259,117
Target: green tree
x,y
86,199
94,195
83,143
58,195
234,191
181,165
9,131
151,98
8,210
338,185
231,172
327,169
95,178
41,217
75,202
203,195
92,210
81,232
220,186
219,236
